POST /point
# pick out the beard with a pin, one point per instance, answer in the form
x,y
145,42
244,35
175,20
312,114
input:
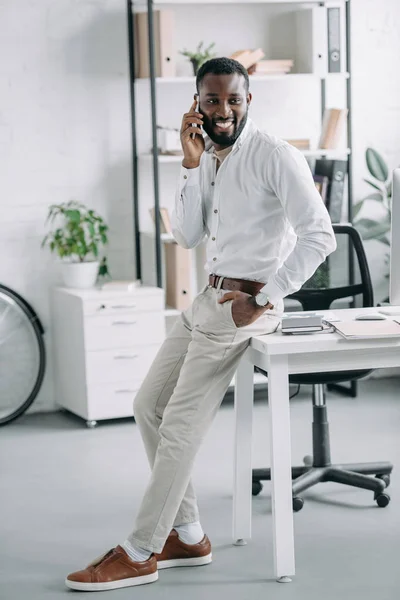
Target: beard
x,y
222,138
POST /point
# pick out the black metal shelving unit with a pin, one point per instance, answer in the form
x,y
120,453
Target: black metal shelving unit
x,y
135,174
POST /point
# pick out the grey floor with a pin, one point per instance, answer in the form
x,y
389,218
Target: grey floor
x,y
69,493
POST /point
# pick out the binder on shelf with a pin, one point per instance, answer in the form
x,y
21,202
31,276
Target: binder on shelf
x,y
311,46
178,276
334,52
164,44
336,171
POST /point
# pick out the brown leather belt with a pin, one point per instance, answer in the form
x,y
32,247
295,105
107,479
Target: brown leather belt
x,y
242,285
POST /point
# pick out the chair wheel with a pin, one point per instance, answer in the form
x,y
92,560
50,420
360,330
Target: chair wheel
x,y
382,500
308,461
385,478
256,488
297,504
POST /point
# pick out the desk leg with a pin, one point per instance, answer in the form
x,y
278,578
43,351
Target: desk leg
x,y
281,476
244,397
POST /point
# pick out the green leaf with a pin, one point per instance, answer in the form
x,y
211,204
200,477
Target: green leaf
x,y
357,207
73,215
370,230
374,185
377,196
384,239
376,165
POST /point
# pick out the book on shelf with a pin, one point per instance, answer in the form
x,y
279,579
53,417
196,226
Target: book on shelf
x,y
322,184
273,67
165,222
248,58
333,124
164,44
301,144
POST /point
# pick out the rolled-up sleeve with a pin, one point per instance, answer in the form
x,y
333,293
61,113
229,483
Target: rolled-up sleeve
x,y
187,217
291,180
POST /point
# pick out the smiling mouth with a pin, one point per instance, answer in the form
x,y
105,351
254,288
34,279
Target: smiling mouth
x,y
223,125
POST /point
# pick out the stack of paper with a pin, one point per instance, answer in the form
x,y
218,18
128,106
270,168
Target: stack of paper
x,y
368,329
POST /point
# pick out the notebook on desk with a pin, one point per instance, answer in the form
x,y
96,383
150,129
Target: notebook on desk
x,y
367,329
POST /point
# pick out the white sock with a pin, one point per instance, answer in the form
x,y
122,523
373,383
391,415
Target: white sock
x,y
135,553
190,533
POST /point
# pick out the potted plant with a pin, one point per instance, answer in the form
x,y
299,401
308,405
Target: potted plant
x,y
200,56
77,240
381,193
371,229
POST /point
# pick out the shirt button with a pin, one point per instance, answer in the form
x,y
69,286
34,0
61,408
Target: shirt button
x,y
185,177
215,211
213,183
213,239
214,259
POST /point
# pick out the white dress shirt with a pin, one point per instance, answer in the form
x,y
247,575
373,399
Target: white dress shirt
x,y
261,213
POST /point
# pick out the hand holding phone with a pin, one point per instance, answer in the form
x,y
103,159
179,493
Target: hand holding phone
x,y
191,136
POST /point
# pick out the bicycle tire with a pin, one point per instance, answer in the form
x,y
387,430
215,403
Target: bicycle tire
x,y
38,332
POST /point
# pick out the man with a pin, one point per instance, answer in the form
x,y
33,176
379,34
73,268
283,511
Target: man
x,y
253,197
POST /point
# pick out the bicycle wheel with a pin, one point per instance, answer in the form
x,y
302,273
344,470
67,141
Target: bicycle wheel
x,y
22,355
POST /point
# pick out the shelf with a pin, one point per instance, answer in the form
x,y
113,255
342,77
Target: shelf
x,y
252,78
156,2
318,153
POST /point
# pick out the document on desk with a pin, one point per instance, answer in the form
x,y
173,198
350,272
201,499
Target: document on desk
x,y
367,329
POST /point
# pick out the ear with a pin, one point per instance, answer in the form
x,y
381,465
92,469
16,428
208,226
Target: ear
x,y
196,97
249,99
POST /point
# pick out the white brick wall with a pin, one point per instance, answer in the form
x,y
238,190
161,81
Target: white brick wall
x,y
64,134
375,45
65,127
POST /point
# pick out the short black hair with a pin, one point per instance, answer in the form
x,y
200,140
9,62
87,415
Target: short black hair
x,y
221,66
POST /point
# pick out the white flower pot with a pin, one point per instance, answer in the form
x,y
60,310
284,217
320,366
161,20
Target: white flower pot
x,y
82,275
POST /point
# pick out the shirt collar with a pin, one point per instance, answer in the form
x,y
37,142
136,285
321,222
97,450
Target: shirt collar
x,y
249,128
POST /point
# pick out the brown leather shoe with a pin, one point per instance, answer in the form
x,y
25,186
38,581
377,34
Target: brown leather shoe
x,y
113,570
178,554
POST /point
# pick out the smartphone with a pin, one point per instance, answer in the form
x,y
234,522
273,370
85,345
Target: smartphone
x,y
197,110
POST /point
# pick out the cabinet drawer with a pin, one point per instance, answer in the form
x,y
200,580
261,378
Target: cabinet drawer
x,y
123,305
122,331
111,401
120,364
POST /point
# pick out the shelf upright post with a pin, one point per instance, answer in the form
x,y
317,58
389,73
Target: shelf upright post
x,y
135,185
150,22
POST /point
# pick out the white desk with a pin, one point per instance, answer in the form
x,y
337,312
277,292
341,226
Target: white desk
x,y
281,355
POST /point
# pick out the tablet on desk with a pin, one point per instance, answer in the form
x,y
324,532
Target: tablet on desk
x,y
368,329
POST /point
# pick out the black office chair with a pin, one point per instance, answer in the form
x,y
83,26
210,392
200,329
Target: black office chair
x,y
319,294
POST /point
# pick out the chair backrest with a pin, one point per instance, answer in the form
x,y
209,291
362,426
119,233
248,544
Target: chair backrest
x,y
318,293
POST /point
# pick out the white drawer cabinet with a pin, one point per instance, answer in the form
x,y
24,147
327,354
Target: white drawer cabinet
x,y
104,344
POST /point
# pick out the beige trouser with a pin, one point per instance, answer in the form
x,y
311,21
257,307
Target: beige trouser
x,y
177,403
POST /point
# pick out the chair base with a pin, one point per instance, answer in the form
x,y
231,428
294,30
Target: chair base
x,y
358,475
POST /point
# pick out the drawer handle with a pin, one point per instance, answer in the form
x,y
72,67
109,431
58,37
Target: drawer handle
x,y
127,391
124,322
126,356
123,306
